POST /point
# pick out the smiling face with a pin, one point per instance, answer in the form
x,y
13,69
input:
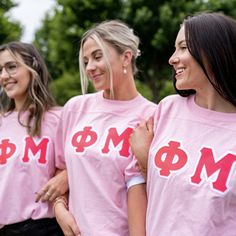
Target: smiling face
x,y
14,84
99,70
189,74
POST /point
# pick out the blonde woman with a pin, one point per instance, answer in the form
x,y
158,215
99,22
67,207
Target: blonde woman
x,y
107,191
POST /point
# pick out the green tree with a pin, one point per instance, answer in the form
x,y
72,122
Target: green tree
x,y
60,35
156,23
10,30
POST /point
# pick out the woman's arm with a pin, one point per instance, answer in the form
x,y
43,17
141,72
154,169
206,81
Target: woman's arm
x,y
140,142
64,218
55,187
137,205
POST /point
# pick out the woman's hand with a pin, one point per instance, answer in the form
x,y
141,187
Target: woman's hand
x,y
55,187
66,220
140,142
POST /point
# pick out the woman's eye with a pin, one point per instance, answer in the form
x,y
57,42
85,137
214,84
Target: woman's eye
x,y
183,47
12,66
97,57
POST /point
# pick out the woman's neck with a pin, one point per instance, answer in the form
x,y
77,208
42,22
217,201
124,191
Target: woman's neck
x,y
215,102
122,92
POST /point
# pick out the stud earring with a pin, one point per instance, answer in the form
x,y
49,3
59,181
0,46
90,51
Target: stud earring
x,y
125,71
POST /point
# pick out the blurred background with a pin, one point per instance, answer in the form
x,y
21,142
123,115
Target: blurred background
x,y
58,35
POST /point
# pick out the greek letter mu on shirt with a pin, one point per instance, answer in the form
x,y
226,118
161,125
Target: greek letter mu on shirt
x,y
191,181
93,137
26,164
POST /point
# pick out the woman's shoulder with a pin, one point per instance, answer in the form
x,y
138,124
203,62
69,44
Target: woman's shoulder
x,y
175,99
173,103
172,98
79,101
53,114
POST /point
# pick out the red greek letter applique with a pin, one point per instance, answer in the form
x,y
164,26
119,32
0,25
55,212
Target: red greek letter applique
x,y
41,147
83,139
7,149
170,158
116,139
223,166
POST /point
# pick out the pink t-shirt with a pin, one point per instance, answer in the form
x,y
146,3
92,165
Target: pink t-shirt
x,y
26,164
191,180
94,137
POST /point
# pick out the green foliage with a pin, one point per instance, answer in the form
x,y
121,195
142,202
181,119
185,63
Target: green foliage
x,y
67,86
6,5
155,22
60,35
143,89
10,30
167,89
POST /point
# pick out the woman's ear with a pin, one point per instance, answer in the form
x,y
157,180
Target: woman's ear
x,y
127,57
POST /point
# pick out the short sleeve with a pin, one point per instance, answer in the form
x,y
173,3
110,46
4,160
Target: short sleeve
x,y
60,144
133,175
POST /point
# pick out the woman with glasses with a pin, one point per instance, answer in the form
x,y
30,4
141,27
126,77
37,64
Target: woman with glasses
x,y
28,117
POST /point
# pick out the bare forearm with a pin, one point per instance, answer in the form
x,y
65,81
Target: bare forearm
x,y
137,206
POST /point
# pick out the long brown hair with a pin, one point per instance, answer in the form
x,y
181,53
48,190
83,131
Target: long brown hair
x,y
38,98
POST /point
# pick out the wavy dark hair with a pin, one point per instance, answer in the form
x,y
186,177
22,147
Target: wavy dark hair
x,y
39,99
211,40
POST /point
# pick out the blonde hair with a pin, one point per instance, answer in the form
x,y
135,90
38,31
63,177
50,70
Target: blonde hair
x,y
117,34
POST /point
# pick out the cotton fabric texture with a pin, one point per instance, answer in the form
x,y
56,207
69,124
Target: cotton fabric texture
x,y
93,137
26,164
191,180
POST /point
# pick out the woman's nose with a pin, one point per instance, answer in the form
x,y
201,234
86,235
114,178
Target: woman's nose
x,y
4,74
173,59
90,66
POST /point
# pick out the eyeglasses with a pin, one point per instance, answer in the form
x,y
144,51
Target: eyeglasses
x,y
10,67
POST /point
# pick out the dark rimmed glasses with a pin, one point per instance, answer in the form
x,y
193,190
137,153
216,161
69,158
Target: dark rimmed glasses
x,y
10,67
